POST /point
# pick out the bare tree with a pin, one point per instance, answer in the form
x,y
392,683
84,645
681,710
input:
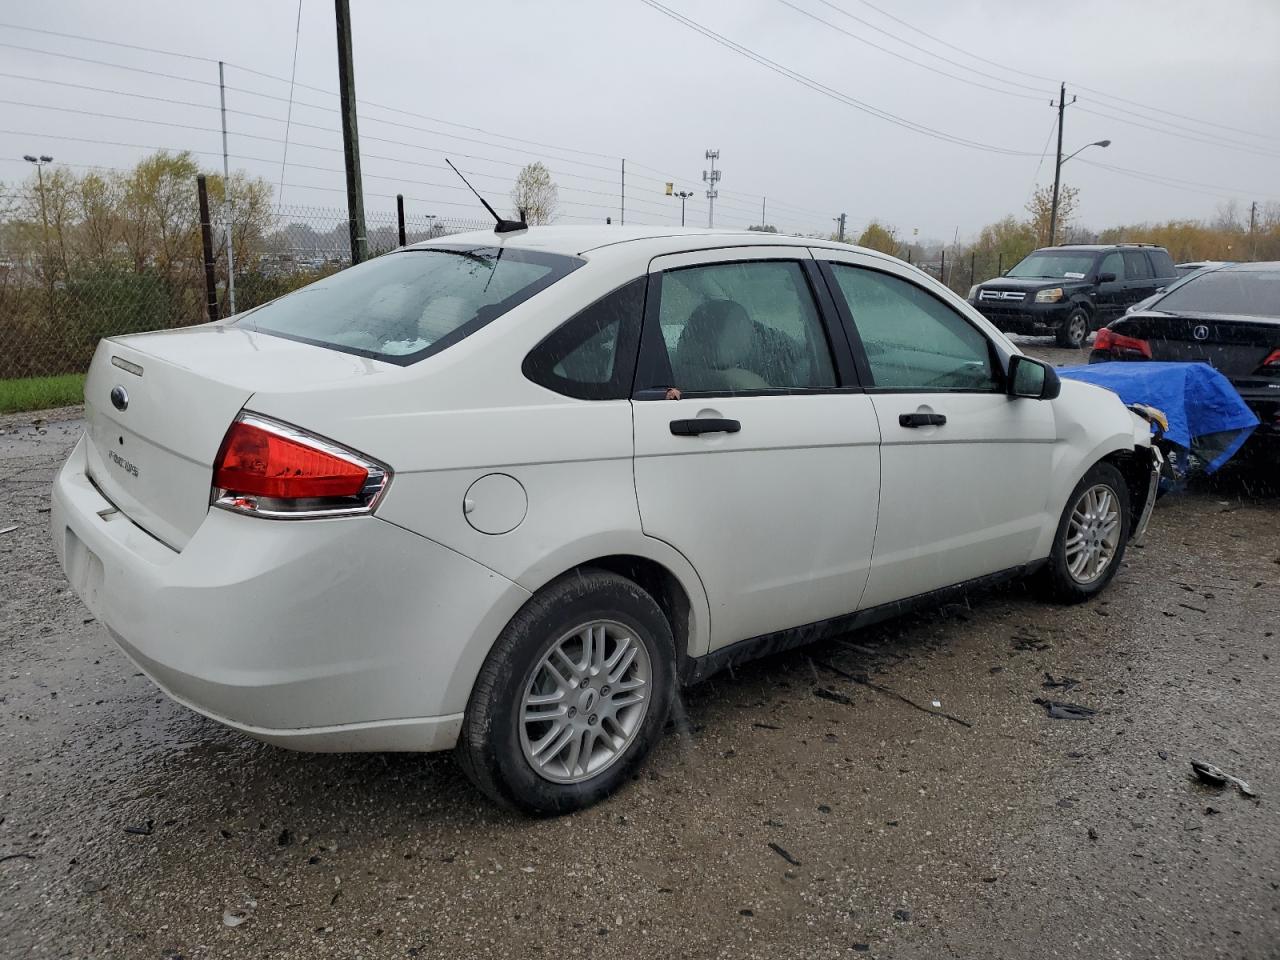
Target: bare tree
x,y
535,194
1040,206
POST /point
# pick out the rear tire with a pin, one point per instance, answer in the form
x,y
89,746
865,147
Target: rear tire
x,y
1074,330
573,696
1091,538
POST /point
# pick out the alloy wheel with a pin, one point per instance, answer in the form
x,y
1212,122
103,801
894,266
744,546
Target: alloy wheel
x,y
1093,533
585,701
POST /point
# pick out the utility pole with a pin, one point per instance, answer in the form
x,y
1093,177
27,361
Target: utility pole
x,y
226,195
1057,166
712,179
763,221
840,229
350,135
206,247
622,212
1253,239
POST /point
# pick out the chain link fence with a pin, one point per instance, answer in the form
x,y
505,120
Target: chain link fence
x,y
72,275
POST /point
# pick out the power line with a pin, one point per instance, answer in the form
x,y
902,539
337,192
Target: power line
x,y
1223,144
1037,76
1177,182
827,23
827,91
297,35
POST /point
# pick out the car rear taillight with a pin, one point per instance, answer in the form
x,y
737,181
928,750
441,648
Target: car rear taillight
x,y
1121,346
1272,363
272,469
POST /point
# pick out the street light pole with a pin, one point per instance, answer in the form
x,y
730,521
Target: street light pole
x,y
40,161
1057,174
683,195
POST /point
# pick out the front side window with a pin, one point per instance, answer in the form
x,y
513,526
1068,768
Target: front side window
x,y
748,326
404,306
593,355
1112,263
912,340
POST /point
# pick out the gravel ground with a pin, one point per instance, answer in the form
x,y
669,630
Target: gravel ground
x,y
794,810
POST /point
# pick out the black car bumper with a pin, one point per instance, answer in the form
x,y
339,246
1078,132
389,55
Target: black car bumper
x,y
1031,318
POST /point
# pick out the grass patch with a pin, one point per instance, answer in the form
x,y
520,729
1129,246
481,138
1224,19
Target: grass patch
x,y
40,393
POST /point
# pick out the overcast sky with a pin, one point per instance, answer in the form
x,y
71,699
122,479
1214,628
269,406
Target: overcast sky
x,y
618,78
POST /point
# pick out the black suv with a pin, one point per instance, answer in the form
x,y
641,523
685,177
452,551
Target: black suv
x,y
1070,290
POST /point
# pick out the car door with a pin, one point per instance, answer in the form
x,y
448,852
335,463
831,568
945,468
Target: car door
x,y
964,468
1109,298
756,451
1139,278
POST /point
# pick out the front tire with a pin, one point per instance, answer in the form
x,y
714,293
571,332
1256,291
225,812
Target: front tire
x,y
1091,537
573,696
1075,329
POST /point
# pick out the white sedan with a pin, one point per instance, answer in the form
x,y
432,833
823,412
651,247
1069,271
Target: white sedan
x,y
505,492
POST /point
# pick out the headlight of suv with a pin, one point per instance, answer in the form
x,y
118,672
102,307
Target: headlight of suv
x,y
1049,296
972,291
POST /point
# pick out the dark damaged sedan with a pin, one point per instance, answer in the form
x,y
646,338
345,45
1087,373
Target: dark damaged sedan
x,y
1228,317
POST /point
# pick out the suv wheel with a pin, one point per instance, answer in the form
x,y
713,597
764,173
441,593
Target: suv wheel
x,y
1091,536
1075,329
572,697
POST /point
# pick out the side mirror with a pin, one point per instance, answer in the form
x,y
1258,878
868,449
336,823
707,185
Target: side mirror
x,y
1106,278
1032,379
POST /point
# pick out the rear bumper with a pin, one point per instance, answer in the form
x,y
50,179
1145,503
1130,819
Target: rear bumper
x,y
349,634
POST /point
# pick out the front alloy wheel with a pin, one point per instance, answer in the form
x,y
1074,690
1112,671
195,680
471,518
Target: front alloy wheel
x,y
1091,536
1074,330
1093,533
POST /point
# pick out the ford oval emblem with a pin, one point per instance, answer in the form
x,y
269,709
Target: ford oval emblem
x,y
119,397
1201,332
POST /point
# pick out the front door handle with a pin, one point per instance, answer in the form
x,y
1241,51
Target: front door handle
x,y
691,428
921,420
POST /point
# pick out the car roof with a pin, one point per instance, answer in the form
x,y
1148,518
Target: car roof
x,y
575,241
1265,266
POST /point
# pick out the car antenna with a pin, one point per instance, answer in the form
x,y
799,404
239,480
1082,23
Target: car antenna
x,y
502,226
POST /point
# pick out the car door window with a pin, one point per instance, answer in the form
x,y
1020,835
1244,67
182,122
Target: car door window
x,y
740,327
593,355
1112,263
912,340
1136,266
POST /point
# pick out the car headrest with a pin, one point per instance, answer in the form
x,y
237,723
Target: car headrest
x,y
719,335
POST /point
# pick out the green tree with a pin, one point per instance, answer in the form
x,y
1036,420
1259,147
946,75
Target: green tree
x,y
1040,209
879,236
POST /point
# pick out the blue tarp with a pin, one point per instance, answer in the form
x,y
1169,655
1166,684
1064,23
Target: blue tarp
x,y
1206,414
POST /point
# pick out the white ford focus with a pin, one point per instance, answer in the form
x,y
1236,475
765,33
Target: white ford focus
x,y
505,492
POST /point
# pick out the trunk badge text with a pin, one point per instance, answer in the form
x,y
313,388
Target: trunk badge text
x,y
119,397
122,463
1201,332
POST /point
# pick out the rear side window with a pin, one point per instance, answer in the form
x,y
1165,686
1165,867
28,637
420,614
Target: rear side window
x,y
404,306
743,327
593,355
1162,263
1136,266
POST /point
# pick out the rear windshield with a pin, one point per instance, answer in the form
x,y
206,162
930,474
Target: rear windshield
x,y
1054,265
1253,293
407,305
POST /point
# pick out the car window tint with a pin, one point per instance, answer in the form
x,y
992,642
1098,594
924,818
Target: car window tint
x,y
913,341
1136,266
1249,292
1112,263
734,327
593,355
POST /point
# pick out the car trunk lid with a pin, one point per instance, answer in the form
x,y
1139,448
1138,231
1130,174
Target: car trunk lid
x,y
158,406
1235,346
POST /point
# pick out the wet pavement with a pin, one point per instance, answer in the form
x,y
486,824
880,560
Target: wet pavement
x,y
815,804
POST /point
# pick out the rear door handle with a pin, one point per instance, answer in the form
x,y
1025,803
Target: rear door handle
x,y
921,420
691,428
